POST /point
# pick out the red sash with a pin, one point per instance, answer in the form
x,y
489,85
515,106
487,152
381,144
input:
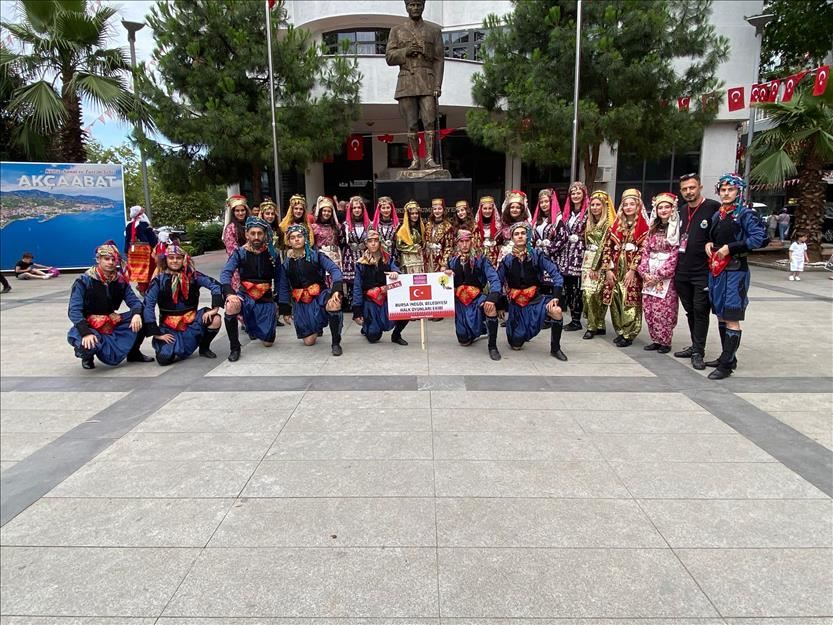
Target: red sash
x,y
256,290
378,295
104,324
522,297
717,264
305,296
178,323
140,263
467,293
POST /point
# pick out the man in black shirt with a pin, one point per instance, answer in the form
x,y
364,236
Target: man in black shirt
x,y
692,277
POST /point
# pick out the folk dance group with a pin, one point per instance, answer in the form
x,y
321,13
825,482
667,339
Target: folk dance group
x,y
527,268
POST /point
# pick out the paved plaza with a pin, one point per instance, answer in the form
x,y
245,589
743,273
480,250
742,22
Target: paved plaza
x,y
394,485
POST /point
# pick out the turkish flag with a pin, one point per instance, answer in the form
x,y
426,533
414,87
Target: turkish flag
x,y
272,3
822,74
683,103
419,293
755,94
420,149
773,87
385,138
444,132
790,84
736,99
355,148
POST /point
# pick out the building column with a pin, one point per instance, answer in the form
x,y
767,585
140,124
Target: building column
x,y
717,155
512,173
314,182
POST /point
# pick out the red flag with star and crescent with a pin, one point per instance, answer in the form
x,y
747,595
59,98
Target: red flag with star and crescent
x,y
822,74
758,93
790,84
736,99
355,148
683,103
773,87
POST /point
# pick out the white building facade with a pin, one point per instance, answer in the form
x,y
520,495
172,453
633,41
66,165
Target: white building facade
x,y
364,24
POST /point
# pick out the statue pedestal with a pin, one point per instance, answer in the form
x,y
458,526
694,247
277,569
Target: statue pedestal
x,y
424,189
437,173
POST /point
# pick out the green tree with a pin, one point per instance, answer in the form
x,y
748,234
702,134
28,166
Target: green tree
x,y
799,37
211,95
628,89
800,142
64,62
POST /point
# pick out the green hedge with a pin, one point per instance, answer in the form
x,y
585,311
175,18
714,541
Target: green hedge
x,y
203,238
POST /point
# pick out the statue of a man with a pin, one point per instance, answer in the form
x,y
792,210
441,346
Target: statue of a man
x,y
417,48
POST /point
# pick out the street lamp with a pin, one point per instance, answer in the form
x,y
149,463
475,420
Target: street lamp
x,y
759,22
132,28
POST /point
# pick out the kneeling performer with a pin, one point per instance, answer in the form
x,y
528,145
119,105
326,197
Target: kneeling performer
x,y
256,263
475,314
98,329
304,278
370,309
182,328
522,271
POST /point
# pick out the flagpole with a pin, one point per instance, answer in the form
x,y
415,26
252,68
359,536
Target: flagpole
x,y
277,191
574,159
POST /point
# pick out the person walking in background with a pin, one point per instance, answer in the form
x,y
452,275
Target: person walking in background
x,y
772,226
139,243
798,255
692,276
657,266
783,220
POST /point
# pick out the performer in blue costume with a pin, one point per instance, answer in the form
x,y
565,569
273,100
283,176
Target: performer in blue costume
x,y
98,329
522,271
183,327
475,314
303,281
735,231
370,308
258,266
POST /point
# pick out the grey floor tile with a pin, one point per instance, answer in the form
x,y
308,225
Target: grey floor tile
x,y
367,401
805,422
15,446
73,581
266,419
584,621
507,400
737,523
42,419
189,446
303,621
526,478
567,583
650,422
294,445
390,582
6,465
519,445
635,447
74,620
780,621
328,522
571,523
29,400
485,419
764,582
60,522
337,418
235,401
786,401
342,478
161,478
713,480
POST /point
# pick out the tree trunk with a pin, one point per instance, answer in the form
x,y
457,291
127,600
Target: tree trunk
x,y
71,136
809,215
257,190
591,164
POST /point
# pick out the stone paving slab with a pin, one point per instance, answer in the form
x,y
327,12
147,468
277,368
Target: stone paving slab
x,y
516,445
465,419
301,445
639,447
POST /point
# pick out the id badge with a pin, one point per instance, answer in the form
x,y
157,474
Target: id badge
x,y
683,243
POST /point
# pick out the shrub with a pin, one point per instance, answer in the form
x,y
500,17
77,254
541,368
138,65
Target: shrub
x,y
204,237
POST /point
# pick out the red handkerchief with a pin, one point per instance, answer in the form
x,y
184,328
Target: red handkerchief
x,y
717,264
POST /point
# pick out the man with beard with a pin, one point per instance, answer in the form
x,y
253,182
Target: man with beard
x,y
370,308
258,266
522,272
410,238
98,329
183,327
475,313
304,279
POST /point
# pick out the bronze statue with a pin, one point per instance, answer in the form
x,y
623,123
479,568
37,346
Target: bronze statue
x,y
417,48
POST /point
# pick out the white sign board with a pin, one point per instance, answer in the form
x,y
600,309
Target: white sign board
x,y
420,296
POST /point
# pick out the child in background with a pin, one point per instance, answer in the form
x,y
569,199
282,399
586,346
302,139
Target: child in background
x,y
798,255
27,269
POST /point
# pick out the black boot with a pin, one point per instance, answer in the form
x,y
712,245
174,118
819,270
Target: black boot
x,y
233,331
727,361
335,331
491,326
135,355
205,343
88,363
574,325
555,340
721,329
396,337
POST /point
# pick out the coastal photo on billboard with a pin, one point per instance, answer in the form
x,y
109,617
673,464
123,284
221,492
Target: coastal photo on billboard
x,y
59,212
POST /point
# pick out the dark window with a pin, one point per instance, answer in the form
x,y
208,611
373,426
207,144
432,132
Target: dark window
x,y
463,44
653,176
372,41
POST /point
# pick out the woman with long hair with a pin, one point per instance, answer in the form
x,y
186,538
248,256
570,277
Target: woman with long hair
x,y
488,227
572,254
326,229
515,210
600,216
410,238
234,230
297,214
386,223
353,239
548,232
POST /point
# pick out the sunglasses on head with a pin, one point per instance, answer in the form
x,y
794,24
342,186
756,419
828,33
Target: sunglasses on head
x,y
685,177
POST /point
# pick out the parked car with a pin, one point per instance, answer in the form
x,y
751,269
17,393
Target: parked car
x,y
827,224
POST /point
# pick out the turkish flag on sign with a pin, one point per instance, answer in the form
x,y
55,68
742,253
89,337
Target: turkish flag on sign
x,y
355,148
773,87
790,84
422,292
822,74
736,99
683,103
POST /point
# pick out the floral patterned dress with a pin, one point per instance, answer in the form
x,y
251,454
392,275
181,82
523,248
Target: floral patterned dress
x,y
439,241
659,302
549,240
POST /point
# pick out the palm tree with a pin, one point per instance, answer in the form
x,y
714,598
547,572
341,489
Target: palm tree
x,y
800,142
63,63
